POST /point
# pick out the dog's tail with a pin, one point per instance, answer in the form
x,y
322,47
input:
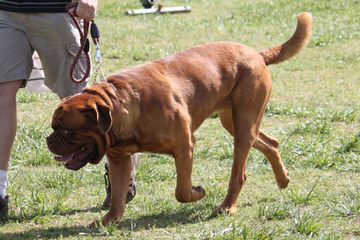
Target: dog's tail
x,y
298,41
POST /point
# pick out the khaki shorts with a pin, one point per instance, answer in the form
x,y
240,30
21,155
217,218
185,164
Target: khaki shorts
x,y
56,39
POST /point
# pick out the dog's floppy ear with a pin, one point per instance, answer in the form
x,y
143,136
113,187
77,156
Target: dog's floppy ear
x,y
102,115
104,118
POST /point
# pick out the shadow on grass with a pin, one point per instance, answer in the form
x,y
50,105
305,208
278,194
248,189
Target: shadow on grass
x,y
161,220
58,213
50,233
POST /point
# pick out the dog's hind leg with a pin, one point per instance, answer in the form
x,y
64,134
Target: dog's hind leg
x,y
226,120
249,99
266,145
269,147
268,139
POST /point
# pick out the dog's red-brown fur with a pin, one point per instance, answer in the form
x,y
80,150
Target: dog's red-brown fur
x,y
156,107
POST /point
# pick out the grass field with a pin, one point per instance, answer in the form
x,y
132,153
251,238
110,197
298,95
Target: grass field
x,y
314,111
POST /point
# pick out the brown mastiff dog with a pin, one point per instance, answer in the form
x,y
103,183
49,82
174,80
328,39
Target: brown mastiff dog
x,y
156,107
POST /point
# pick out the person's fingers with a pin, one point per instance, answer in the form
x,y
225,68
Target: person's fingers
x,y
85,11
72,11
79,12
88,16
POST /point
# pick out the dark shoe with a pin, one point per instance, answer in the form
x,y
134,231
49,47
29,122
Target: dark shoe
x,y
4,208
130,195
131,192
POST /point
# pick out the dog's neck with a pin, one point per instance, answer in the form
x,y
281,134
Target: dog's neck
x,y
112,86
125,113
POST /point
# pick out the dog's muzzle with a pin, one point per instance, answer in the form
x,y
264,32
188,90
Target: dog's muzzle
x,y
57,144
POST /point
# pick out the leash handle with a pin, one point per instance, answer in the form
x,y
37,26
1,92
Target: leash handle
x,y
85,46
84,43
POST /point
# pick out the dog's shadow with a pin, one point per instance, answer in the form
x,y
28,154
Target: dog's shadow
x,y
160,220
164,219
61,213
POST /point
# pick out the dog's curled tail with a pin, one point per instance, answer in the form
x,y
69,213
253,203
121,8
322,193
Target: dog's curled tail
x,y
298,41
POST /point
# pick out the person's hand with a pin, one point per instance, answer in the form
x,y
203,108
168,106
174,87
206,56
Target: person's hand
x,y
86,9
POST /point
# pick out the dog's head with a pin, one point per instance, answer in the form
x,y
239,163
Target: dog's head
x,y
80,125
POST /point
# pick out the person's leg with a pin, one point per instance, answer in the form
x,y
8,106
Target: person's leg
x,y
15,64
8,92
132,184
7,132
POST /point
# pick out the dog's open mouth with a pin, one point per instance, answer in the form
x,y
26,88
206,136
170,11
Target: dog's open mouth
x,y
79,158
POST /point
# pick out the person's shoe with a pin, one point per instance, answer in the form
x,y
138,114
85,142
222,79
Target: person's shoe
x,y
4,208
130,195
131,191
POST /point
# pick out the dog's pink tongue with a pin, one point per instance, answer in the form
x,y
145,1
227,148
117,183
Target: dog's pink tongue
x,y
65,159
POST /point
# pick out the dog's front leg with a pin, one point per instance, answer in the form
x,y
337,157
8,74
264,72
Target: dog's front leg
x,y
185,192
119,173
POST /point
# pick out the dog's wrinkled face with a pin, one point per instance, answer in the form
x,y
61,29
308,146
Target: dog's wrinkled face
x,y
80,124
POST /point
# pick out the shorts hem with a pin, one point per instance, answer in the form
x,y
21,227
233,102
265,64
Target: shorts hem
x,y
15,77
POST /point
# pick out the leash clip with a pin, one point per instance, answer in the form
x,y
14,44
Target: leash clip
x,y
97,53
98,61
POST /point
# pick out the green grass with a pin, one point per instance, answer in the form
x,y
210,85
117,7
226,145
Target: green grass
x,y
313,111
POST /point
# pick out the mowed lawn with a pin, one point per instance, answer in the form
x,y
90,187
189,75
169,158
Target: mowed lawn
x,y
314,112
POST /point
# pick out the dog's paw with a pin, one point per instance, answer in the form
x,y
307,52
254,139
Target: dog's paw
x,y
284,181
190,195
110,218
224,210
198,193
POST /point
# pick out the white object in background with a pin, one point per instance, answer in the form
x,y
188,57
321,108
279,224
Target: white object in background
x,y
160,9
35,84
